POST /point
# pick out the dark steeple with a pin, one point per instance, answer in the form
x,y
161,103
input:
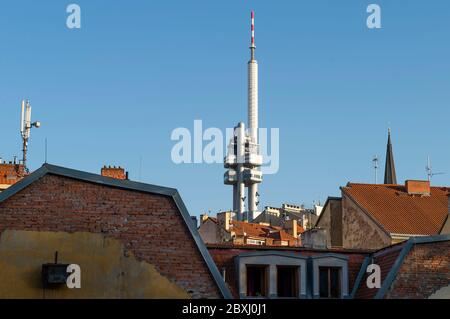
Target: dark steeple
x,y
389,170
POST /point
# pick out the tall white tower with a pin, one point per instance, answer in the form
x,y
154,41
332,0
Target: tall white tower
x,y
253,162
243,160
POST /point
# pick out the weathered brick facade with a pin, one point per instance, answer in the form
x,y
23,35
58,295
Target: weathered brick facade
x,y
149,225
358,230
424,271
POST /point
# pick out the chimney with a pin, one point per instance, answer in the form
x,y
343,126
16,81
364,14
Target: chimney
x,y
194,221
114,172
291,227
10,173
224,220
418,188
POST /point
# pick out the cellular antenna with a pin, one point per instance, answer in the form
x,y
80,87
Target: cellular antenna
x,y
25,129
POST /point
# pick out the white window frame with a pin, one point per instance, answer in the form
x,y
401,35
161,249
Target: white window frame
x,y
272,260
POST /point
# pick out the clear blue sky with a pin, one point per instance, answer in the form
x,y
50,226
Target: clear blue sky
x,y
112,92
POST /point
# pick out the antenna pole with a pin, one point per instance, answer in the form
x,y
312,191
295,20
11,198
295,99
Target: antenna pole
x,y
375,166
25,129
24,152
45,150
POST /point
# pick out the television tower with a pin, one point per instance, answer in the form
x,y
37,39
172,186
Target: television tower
x,y
243,160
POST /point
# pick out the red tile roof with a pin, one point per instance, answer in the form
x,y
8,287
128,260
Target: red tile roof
x,y
263,231
397,211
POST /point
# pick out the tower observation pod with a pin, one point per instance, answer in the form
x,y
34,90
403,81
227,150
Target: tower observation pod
x,y
243,159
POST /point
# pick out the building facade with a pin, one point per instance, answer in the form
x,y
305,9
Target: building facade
x,y
414,269
131,240
373,216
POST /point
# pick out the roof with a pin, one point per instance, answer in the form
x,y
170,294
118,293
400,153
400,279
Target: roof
x,y
231,245
397,212
391,259
129,185
263,231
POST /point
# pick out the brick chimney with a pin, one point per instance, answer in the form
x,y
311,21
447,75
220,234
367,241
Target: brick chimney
x,y
10,173
114,172
418,188
291,227
224,220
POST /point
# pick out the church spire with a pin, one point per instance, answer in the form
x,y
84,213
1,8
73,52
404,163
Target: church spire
x,y
389,171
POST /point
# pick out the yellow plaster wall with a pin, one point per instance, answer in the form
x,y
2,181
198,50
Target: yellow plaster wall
x,y
107,269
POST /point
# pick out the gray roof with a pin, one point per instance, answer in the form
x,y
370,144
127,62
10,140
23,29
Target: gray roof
x,y
129,185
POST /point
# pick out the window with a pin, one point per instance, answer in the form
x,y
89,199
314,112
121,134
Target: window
x,y
330,282
287,279
272,274
256,281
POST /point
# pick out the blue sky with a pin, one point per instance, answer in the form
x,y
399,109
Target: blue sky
x,y
113,91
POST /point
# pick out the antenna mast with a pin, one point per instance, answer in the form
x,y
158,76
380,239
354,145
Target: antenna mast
x,y
375,167
25,129
429,170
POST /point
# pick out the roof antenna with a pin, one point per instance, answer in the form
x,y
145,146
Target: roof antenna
x,y
375,167
140,168
429,170
25,129
45,154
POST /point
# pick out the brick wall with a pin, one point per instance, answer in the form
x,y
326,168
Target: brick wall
x,y
385,258
150,226
325,223
336,223
208,231
359,231
425,270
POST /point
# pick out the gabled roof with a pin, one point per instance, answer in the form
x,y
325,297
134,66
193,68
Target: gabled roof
x,y
129,185
397,212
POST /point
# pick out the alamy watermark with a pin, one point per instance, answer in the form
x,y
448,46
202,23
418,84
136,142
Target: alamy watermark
x,y
73,21
374,19
74,278
210,145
